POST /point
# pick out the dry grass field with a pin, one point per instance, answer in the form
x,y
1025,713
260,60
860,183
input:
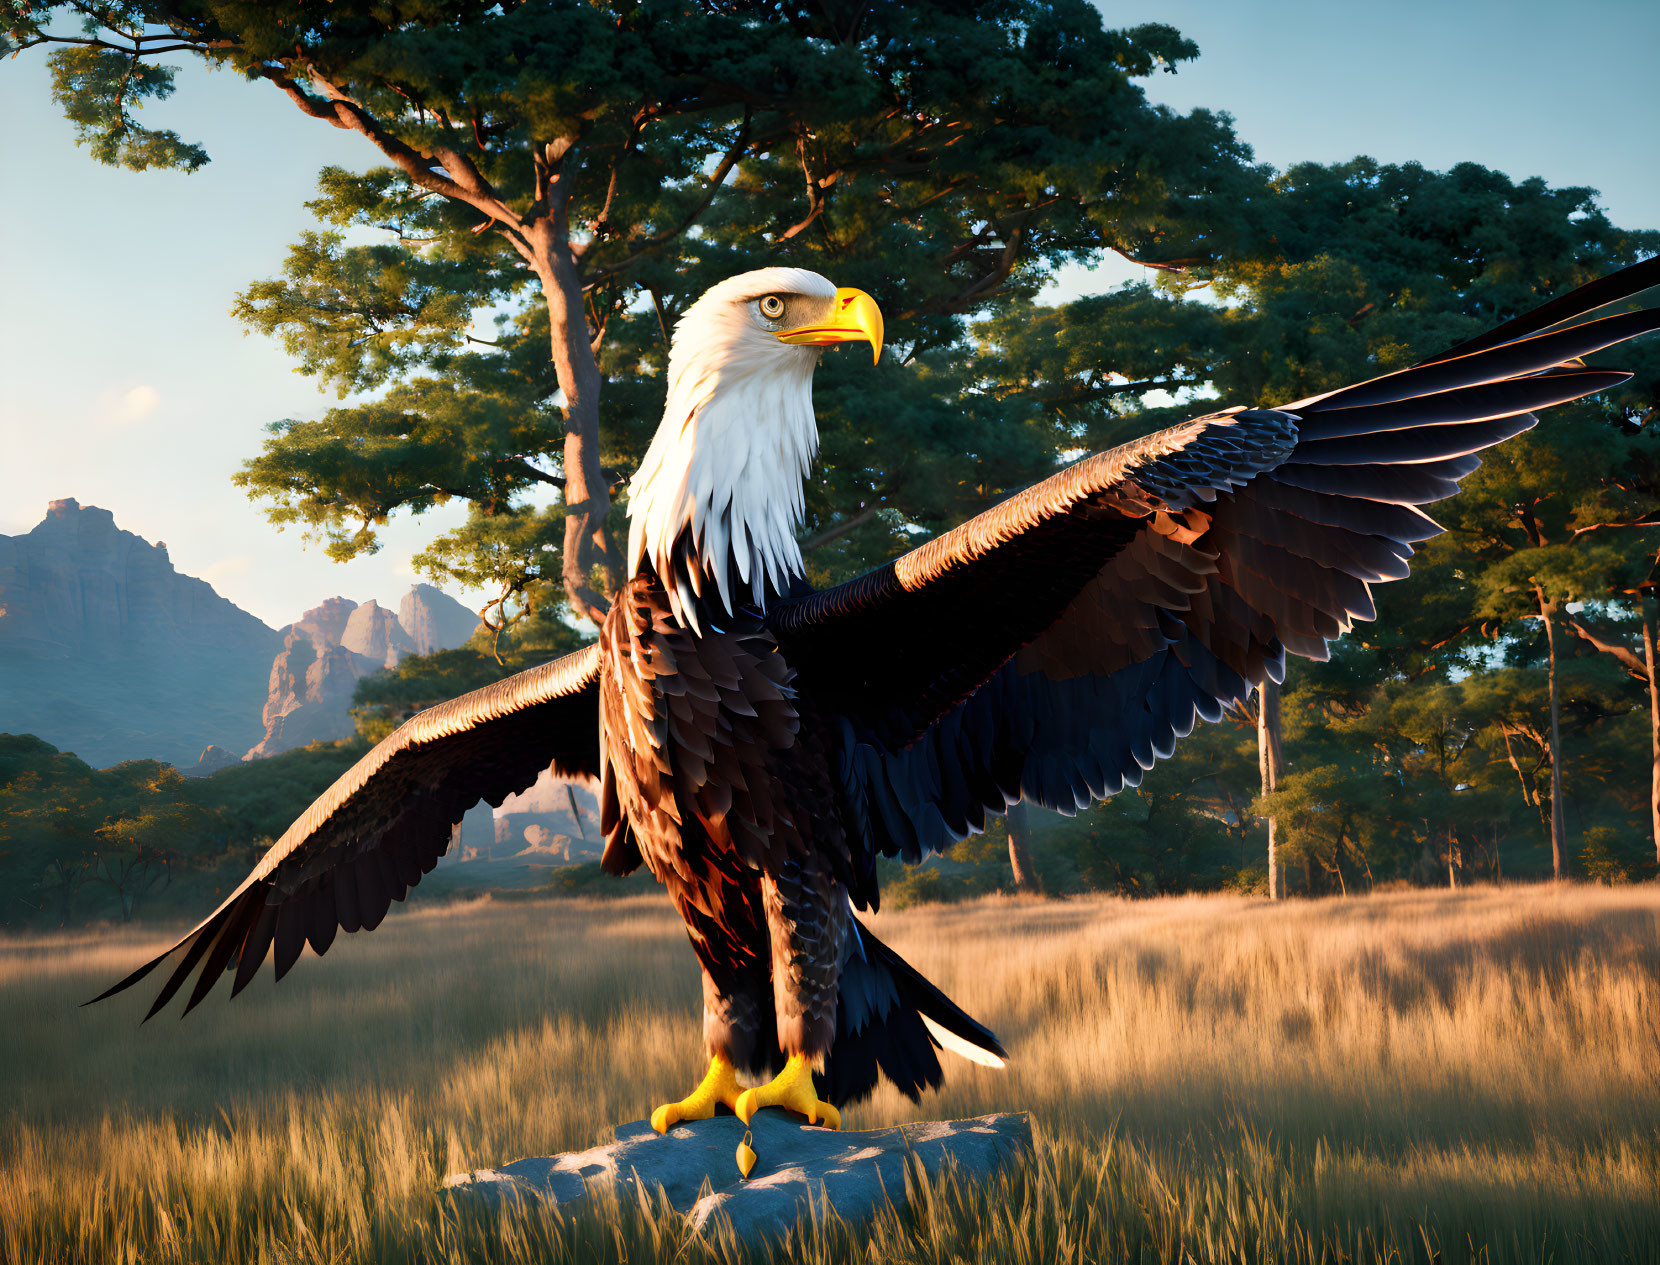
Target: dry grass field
x,y
1412,1076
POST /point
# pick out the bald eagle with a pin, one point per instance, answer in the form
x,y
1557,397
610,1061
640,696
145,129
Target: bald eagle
x,y
759,744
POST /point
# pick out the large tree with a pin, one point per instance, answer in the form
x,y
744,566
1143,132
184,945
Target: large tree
x,y
585,169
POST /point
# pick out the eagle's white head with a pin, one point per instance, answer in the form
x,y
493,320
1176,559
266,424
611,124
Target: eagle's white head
x,y
719,495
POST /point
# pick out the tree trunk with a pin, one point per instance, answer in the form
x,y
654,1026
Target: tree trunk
x,y
1650,608
588,544
1271,767
1019,822
1515,764
1558,824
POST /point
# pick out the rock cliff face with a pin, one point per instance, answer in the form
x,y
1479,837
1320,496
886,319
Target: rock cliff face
x,y
434,620
107,651
78,586
324,625
210,761
331,647
374,632
550,808
309,698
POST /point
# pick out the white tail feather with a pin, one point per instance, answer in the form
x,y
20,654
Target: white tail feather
x,y
951,1041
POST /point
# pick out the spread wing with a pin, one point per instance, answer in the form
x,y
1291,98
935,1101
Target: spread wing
x,y
1057,645
371,836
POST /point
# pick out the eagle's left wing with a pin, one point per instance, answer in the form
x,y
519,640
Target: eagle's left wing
x,y
1057,645
385,822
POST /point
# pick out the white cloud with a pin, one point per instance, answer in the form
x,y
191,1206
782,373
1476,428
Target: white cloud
x,y
119,407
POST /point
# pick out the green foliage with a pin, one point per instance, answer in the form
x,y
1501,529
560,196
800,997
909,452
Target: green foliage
x,y
356,317
258,800
1612,856
78,843
98,90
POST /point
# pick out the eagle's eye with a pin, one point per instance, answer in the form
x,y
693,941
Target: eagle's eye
x,y
769,311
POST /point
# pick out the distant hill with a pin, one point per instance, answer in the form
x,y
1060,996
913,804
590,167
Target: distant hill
x,y
108,652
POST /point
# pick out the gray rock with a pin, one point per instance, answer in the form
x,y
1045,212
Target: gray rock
x,y
696,1166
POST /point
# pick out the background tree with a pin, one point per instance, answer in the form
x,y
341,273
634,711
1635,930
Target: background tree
x,y
47,822
140,852
79,844
592,168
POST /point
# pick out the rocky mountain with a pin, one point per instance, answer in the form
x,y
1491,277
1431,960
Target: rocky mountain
x,y
309,696
434,620
375,633
107,651
331,647
324,625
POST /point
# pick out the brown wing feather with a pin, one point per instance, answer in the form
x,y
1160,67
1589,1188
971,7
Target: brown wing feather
x,y
368,838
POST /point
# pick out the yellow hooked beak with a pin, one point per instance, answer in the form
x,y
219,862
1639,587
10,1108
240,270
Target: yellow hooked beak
x,y
854,318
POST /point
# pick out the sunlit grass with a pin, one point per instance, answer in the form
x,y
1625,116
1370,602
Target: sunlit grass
x,y
1212,1079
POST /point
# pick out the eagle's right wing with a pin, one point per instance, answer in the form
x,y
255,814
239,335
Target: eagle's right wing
x,y
371,836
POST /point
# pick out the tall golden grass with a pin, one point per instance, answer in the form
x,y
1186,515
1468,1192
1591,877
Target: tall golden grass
x,y
1413,1076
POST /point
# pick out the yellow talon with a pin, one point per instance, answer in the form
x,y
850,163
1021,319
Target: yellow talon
x,y
793,1089
746,1156
719,1085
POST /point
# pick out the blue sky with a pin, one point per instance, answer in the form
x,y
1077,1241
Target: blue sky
x,y
124,382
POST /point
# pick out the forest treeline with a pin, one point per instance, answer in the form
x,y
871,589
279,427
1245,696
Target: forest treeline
x,y
966,164
140,839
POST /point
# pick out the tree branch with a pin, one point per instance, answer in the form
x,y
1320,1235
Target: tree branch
x,y
127,51
1006,260
1179,265
1622,655
462,181
717,178
842,528
612,476
1650,519
1082,394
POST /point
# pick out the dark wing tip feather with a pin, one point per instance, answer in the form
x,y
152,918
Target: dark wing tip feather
x,y
254,949
1508,360
228,941
198,942
1624,284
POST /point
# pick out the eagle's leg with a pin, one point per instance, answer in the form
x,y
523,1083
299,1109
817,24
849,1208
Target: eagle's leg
x,y
807,914
735,1016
